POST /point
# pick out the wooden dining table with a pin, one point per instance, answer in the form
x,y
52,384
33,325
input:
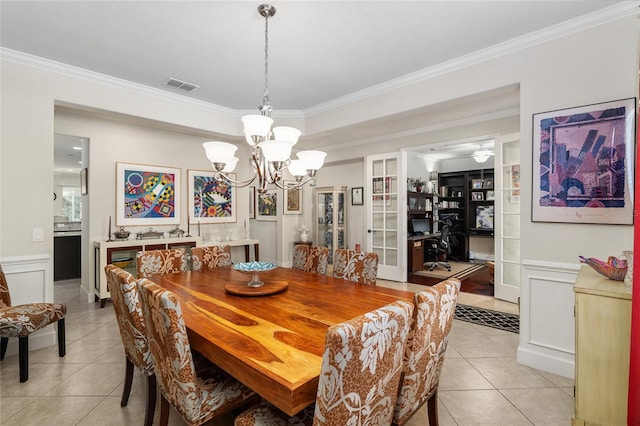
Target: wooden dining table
x,y
272,343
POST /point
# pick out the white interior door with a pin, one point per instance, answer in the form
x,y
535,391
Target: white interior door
x,y
386,213
507,205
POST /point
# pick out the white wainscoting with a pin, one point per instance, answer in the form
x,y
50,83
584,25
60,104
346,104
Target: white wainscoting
x,y
30,280
547,323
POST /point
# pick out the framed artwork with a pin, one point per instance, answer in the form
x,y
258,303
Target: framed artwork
x,y
252,202
487,184
292,200
378,185
583,163
491,196
267,205
477,196
211,201
147,195
484,217
84,181
357,198
476,183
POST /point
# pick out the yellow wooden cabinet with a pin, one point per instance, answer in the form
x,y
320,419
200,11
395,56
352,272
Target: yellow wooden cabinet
x,y
603,333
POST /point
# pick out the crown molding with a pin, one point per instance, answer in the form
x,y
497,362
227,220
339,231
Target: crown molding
x,y
511,112
618,11
612,13
107,80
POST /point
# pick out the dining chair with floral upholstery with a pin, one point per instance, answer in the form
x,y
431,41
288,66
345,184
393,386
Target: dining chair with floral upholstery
x,y
432,319
22,320
199,390
310,258
359,377
161,262
210,257
133,332
357,266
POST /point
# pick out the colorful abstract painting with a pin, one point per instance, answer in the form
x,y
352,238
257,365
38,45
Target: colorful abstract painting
x,y
267,205
147,195
210,200
583,164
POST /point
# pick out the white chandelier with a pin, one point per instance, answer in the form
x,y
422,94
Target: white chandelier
x,y
270,148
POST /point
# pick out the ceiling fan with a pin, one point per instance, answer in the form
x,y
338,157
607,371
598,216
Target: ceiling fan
x,y
483,153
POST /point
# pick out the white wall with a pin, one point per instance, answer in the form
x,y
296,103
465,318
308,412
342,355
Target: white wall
x,y
588,66
116,141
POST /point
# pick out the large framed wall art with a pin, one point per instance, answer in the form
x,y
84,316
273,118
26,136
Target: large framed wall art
x,y
583,164
210,201
147,195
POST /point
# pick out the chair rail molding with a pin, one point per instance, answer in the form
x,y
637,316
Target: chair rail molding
x,y
30,280
547,323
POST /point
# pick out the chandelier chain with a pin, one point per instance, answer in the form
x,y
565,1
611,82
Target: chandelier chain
x,y
265,98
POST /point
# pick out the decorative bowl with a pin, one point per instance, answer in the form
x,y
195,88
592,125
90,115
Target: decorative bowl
x,y
254,266
613,268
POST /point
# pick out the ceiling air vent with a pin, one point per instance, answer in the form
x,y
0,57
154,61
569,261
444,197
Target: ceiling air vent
x,y
179,84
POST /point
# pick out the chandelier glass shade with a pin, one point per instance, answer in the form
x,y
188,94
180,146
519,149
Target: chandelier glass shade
x,y
270,148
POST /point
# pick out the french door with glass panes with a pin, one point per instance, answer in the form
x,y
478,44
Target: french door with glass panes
x,y
386,227
507,242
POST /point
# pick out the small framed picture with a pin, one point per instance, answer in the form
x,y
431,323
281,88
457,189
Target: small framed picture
x,y
356,196
292,200
491,196
476,183
477,196
83,181
488,184
267,205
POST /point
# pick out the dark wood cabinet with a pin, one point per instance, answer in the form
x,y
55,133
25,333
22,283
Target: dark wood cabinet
x,y
66,257
421,205
466,201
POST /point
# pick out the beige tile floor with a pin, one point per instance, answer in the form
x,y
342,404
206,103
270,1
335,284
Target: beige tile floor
x,y
481,382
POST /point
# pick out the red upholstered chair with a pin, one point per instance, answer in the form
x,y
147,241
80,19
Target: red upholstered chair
x,y
197,388
359,377
432,318
126,302
210,257
161,262
356,266
21,320
310,259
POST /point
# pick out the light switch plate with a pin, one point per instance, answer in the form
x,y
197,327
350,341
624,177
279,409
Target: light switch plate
x,y
38,235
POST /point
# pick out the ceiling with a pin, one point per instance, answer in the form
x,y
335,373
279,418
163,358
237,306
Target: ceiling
x,y
319,51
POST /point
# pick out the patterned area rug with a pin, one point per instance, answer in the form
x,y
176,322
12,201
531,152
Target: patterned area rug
x,y
459,270
489,318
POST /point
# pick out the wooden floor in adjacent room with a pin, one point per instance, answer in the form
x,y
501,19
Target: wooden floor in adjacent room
x,y
477,283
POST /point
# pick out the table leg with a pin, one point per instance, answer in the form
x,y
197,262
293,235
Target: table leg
x,y
246,253
256,251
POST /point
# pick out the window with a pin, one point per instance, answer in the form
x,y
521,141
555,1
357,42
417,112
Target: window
x,y
72,203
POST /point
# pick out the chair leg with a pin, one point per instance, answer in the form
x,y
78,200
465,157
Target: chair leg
x,y
164,410
62,346
128,380
151,400
4,342
432,409
23,356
